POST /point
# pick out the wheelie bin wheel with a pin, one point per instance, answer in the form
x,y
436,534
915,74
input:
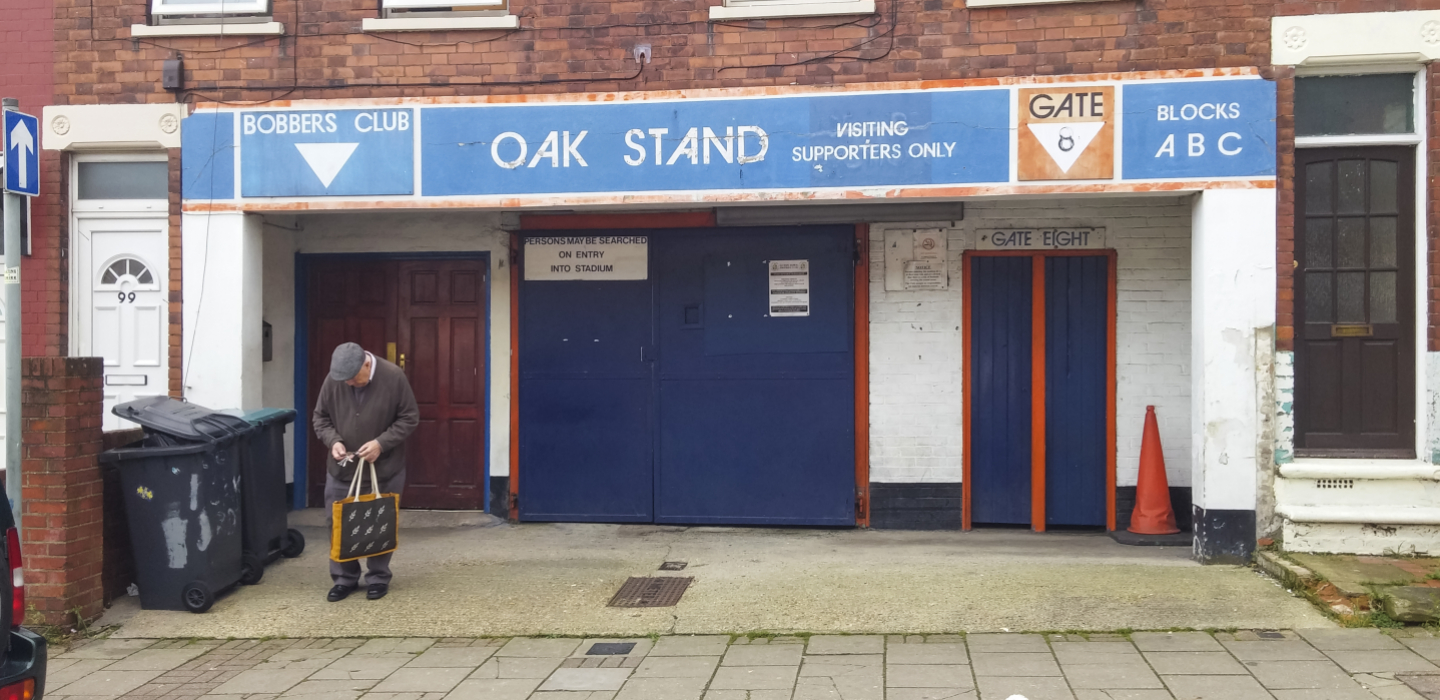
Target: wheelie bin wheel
x,y
252,569
294,544
197,597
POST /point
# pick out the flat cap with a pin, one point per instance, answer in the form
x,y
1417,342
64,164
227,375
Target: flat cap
x,y
346,361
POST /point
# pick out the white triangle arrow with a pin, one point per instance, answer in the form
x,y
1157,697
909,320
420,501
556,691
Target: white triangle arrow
x,y
1066,141
326,159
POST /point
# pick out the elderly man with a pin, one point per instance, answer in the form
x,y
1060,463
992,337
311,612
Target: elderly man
x,y
365,401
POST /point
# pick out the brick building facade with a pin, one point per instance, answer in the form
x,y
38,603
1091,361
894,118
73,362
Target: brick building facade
x,y
269,248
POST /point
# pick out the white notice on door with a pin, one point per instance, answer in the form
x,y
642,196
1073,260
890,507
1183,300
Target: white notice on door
x,y
789,287
553,258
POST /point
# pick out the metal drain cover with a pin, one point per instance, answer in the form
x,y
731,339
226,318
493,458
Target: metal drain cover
x,y
674,566
610,648
650,592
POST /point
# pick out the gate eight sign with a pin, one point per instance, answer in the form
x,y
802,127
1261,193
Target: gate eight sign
x,y
22,154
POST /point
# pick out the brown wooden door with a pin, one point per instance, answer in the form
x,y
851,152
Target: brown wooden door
x,y
349,301
434,313
441,335
1355,302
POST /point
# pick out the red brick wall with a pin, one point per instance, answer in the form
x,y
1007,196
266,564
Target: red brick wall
x,y
27,53
569,46
63,534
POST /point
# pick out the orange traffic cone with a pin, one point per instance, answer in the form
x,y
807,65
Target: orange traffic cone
x,y
1152,515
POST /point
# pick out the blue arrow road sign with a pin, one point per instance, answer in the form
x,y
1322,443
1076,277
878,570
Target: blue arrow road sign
x,y
22,154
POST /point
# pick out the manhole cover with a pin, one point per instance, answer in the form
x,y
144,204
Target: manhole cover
x,y
673,566
650,592
610,649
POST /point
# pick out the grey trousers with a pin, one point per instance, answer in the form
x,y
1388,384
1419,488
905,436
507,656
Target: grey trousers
x,y
377,568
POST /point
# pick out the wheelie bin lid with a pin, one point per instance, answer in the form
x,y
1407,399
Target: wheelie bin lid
x,y
270,416
178,419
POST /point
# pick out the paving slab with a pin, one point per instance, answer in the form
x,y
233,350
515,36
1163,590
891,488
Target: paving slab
x,y
362,667
1007,642
1285,675
539,648
156,659
663,688
1273,651
929,676
1029,688
1351,574
107,649
451,657
747,694
1095,652
926,654
1013,664
1216,688
706,645
1209,663
1362,639
931,694
517,668
754,678
494,689
768,655
1402,661
1114,676
1122,694
838,644
105,683
1175,641
249,682
677,667
586,679
1323,694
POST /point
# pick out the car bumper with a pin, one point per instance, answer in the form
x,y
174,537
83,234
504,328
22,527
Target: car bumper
x,y
25,660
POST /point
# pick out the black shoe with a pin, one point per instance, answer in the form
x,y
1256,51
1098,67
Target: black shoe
x,y
377,591
339,593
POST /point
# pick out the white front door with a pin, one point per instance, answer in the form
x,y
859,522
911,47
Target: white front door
x,y
121,287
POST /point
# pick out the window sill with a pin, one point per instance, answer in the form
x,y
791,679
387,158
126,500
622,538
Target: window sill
x,y
237,29
762,10
438,24
1403,469
1003,3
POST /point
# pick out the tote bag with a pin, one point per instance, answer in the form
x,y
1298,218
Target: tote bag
x,y
364,524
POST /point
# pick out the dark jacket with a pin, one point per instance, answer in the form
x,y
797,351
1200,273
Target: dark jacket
x,y
388,414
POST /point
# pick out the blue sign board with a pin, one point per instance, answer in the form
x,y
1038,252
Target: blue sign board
x,y
22,154
1216,128
1169,130
913,138
304,153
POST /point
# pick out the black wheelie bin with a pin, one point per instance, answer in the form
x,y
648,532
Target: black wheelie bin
x,y
262,494
182,501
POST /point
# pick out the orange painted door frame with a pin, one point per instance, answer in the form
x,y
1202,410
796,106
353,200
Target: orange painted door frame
x,y
1037,370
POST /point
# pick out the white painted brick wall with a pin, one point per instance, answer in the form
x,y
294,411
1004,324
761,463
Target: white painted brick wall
x,y
916,408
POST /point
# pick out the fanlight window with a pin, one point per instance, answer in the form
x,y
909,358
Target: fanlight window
x,y
127,266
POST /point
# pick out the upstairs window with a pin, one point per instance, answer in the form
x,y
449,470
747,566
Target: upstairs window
x,y
451,8
166,9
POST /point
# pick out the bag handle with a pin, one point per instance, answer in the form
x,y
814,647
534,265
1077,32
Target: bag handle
x,y
357,483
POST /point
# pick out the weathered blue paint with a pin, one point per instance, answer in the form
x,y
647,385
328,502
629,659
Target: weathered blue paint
x,y
207,156
632,412
799,142
756,413
1076,361
1193,128
912,138
380,159
1001,380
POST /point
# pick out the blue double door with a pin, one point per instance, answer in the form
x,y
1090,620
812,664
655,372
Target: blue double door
x,y
1047,420
680,399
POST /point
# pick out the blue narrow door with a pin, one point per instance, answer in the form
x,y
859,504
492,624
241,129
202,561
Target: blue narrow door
x,y
1076,362
585,391
755,410
1000,410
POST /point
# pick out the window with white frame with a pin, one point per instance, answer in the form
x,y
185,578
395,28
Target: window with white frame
x,y
762,9
165,9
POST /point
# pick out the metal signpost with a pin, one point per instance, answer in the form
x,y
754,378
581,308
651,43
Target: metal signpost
x,y
22,179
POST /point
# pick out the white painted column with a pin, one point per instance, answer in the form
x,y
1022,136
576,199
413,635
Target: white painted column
x,y
1233,273
223,281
